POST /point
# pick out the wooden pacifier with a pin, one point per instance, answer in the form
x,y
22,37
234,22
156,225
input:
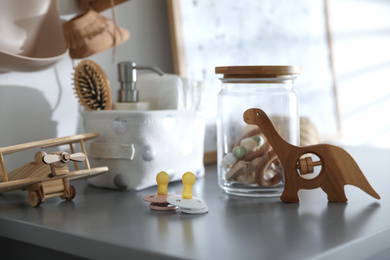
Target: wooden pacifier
x,y
187,203
159,201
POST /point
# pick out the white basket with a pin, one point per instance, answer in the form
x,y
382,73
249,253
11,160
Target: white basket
x,y
137,145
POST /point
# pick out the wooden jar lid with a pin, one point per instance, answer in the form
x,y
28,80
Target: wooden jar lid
x,y
257,71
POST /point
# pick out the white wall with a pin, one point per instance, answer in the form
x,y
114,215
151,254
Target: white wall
x,y
42,105
361,40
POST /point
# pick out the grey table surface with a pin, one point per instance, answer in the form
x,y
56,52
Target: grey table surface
x,y
109,224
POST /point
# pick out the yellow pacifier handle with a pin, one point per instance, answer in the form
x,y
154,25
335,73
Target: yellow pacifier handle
x,y
188,181
162,179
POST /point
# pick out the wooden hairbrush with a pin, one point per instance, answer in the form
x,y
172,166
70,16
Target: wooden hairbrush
x,y
92,86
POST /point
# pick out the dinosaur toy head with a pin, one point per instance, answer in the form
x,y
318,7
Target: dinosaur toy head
x,y
251,114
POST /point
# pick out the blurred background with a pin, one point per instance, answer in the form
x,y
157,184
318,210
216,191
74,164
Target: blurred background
x,y
356,36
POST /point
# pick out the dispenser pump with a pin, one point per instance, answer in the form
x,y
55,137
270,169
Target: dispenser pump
x,y
127,76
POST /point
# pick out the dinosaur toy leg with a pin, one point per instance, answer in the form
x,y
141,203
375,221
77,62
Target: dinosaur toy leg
x,y
338,196
290,194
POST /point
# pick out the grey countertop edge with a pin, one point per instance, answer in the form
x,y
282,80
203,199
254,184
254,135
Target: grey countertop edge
x,y
72,244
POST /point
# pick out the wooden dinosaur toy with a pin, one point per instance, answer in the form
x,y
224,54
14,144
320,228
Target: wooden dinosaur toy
x,y
338,168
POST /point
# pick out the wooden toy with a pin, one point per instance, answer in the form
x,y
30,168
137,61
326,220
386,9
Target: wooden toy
x,y
159,201
338,168
187,203
258,166
48,175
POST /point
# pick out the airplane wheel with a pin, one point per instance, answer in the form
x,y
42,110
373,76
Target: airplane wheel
x,y
72,192
34,198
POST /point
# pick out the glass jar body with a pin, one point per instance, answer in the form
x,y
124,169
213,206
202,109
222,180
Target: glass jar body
x,y
246,163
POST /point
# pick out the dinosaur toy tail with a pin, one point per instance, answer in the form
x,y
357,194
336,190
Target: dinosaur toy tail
x,y
374,194
351,172
365,186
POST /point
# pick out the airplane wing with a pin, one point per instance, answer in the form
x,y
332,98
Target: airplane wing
x,y
48,143
17,184
87,173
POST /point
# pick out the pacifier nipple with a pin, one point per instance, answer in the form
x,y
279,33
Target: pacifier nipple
x,y
188,181
162,179
159,201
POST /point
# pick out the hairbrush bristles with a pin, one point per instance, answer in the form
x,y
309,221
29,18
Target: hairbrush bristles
x,y
92,86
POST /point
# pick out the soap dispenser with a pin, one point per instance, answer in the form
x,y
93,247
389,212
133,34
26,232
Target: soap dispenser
x,y
128,93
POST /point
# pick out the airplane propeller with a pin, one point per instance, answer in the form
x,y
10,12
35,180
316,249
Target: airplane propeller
x,y
63,157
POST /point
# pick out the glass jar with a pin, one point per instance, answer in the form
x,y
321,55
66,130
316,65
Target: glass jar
x,y
247,165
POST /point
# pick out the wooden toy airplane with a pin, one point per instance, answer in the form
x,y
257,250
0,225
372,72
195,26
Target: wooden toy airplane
x,y
338,167
48,175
